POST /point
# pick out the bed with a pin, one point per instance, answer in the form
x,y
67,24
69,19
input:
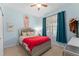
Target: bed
x,y
35,45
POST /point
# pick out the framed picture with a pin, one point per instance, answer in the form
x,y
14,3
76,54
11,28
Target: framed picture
x,y
10,27
26,22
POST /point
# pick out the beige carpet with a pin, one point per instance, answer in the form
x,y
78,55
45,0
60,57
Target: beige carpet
x,y
54,51
19,51
14,51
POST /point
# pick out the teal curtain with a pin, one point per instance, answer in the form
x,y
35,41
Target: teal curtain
x,y
44,27
61,29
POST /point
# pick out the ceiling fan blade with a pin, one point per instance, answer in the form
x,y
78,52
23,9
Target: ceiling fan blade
x,y
44,5
33,5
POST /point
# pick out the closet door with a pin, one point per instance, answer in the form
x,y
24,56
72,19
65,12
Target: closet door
x,y
1,34
51,27
54,22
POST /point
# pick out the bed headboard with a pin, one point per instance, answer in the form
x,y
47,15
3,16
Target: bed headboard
x,y
27,31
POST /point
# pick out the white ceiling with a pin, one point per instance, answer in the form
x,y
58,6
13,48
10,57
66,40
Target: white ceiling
x,y
25,8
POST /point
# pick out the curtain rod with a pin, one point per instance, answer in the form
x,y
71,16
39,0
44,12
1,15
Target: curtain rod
x,y
54,14
51,15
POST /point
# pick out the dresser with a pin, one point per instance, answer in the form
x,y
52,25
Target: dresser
x,y
72,48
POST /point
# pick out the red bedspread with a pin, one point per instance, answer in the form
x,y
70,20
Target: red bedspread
x,y
34,41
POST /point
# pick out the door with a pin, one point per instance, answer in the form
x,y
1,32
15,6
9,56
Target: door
x,y
1,34
51,27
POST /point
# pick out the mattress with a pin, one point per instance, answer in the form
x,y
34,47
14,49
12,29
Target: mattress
x,y
35,41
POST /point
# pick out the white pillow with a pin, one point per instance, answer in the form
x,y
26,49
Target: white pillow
x,y
25,34
31,34
28,34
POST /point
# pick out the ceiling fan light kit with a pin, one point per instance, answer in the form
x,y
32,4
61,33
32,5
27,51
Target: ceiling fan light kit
x,y
39,5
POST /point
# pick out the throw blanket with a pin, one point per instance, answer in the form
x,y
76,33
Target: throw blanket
x,y
35,41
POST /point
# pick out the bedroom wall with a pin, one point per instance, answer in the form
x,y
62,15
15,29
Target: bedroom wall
x,y
16,17
36,24
72,10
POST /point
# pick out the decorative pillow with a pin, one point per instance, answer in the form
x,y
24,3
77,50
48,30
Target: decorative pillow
x,y
24,34
31,34
28,34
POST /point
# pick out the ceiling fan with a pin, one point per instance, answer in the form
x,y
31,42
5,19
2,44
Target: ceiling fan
x,y
39,5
